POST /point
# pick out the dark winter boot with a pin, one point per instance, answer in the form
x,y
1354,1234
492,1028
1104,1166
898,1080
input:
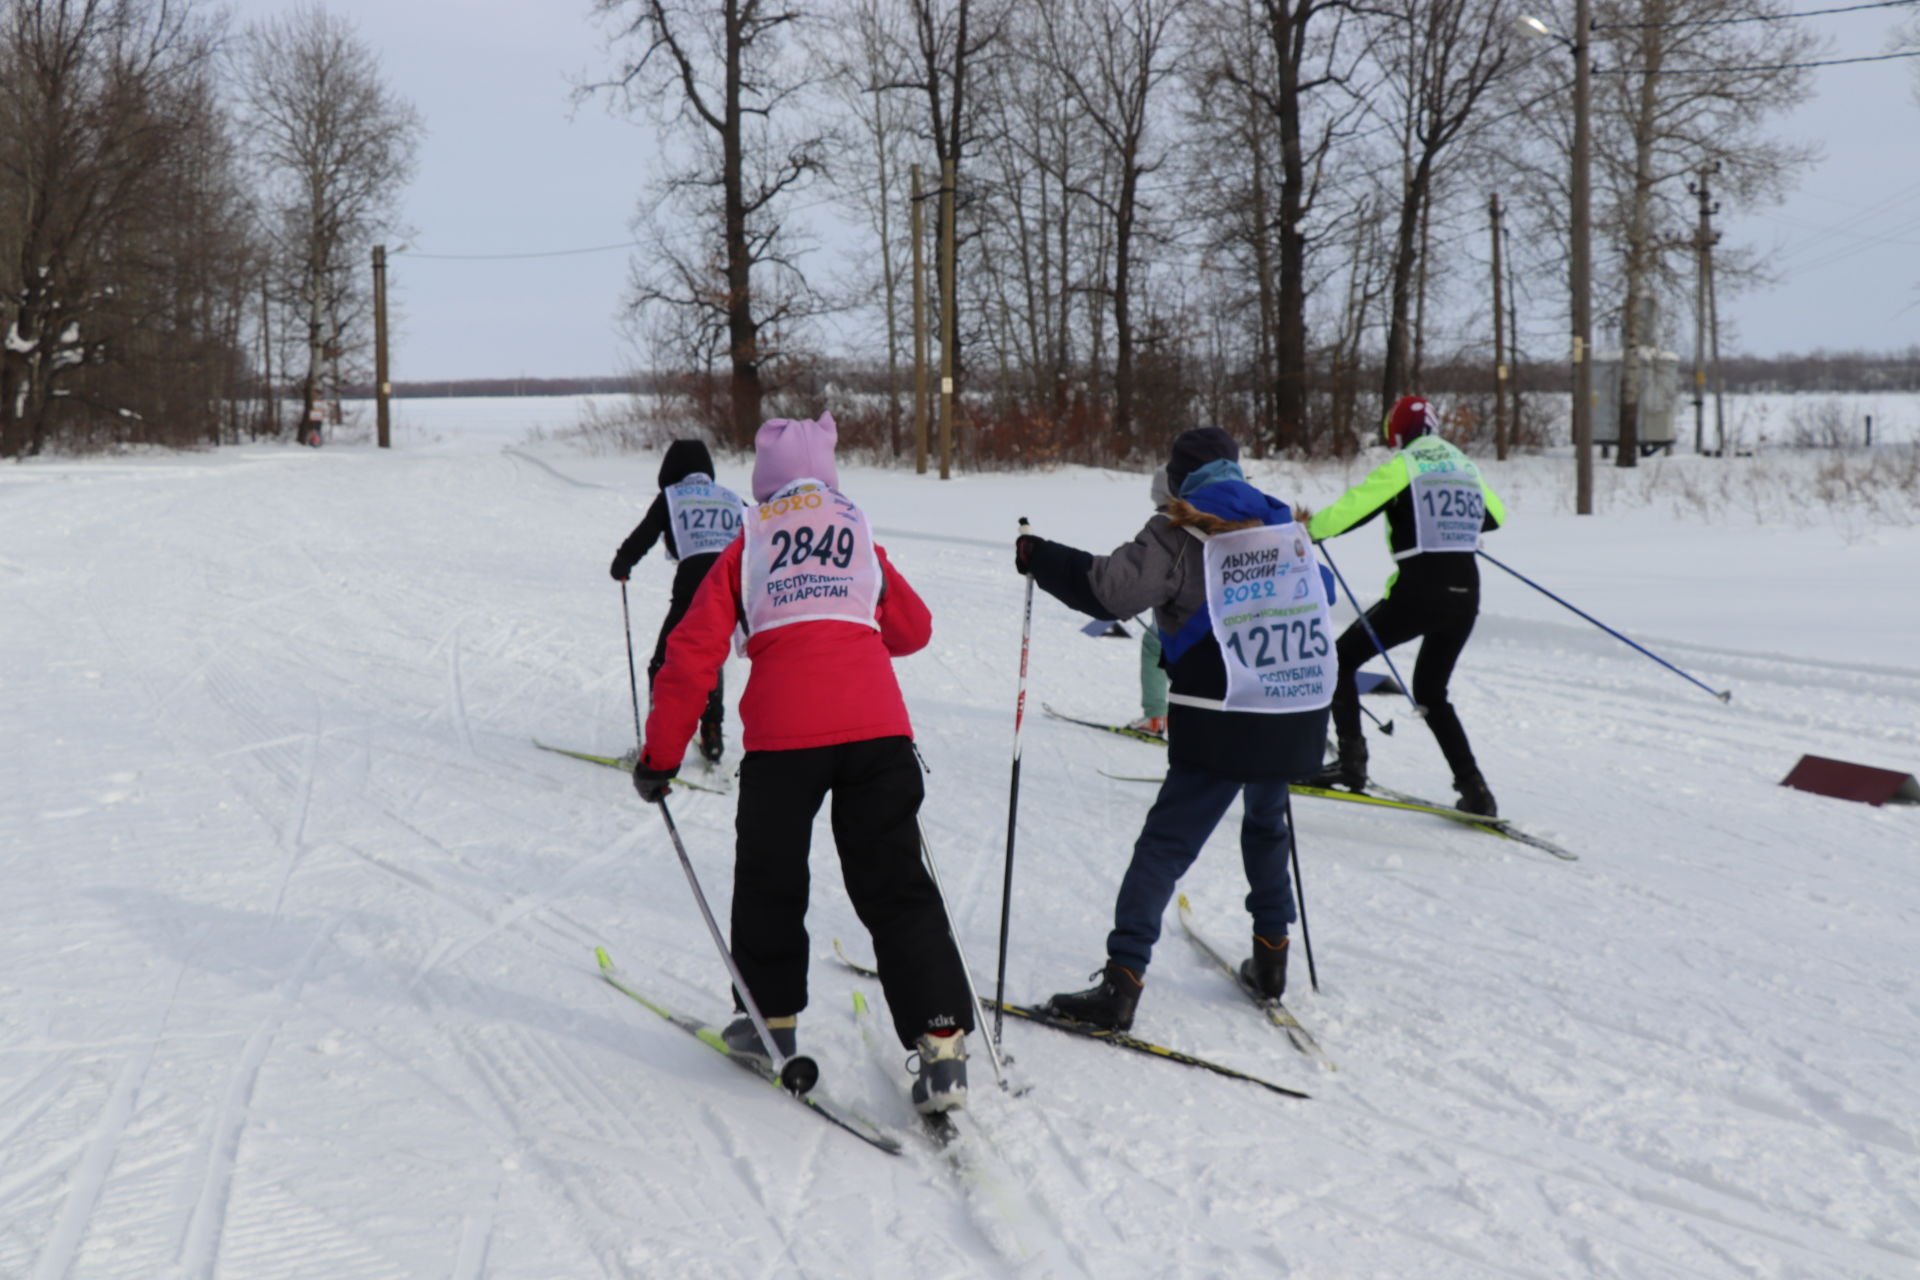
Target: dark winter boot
x,y
1266,969
1350,773
712,745
942,1085
1474,796
1109,1004
741,1038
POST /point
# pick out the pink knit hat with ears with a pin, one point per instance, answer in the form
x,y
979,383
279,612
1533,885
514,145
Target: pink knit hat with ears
x,y
787,449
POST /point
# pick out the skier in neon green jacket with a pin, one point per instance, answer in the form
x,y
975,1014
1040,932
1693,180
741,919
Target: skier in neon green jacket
x,y
1437,505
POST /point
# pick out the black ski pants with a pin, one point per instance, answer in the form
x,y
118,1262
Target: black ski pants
x,y
877,789
677,606
1444,616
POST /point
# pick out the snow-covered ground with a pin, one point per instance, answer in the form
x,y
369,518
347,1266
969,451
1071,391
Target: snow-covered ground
x,y
298,982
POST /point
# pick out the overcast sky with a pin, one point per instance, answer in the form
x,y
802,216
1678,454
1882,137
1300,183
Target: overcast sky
x,y
511,166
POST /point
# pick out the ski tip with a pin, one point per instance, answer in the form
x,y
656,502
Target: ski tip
x,y
859,1003
1184,904
602,959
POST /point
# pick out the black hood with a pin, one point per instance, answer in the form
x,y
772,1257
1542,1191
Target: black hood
x,y
685,458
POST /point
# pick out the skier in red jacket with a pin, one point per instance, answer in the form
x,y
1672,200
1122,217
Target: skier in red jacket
x,y
825,614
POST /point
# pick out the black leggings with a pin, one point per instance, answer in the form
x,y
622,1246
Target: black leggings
x,y
1445,616
716,712
877,790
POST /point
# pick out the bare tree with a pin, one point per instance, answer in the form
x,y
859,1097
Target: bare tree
x,y
1289,58
715,72
860,51
108,129
1111,56
1438,60
335,146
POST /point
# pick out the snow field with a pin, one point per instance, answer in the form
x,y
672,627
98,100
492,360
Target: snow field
x,y
300,977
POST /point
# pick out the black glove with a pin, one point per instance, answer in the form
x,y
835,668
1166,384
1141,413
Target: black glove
x,y
652,784
1023,549
620,569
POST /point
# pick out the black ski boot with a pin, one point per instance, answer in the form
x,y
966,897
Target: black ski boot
x,y
1266,969
1474,796
712,745
740,1037
942,1083
1109,1004
1349,773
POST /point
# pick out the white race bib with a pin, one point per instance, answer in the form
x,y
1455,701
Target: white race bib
x,y
1449,506
809,557
1269,616
704,516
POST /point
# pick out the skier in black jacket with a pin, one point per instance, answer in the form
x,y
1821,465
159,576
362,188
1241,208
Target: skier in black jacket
x,y
699,518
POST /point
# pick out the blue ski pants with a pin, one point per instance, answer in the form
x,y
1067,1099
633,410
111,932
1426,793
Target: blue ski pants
x,y
1190,805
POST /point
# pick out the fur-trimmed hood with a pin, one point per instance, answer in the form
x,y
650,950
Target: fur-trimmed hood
x,y
1182,514
1226,506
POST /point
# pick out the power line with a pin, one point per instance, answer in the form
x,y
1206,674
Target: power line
x,y
1752,17
1776,66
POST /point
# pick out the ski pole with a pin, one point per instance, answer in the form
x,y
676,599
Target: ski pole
x,y
973,992
1725,695
1013,804
1385,726
1300,896
633,677
798,1073
1372,635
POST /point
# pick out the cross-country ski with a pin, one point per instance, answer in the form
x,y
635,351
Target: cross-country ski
x,y
625,765
1277,1012
709,1034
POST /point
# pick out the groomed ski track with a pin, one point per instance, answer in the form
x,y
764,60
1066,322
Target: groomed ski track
x,y
297,978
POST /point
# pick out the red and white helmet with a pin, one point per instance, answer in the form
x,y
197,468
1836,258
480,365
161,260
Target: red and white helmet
x,y
1412,416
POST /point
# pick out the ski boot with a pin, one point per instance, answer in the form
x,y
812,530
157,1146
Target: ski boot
x,y
1265,971
712,745
942,1085
740,1038
1155,725
1474,796
1349,772
1108,1004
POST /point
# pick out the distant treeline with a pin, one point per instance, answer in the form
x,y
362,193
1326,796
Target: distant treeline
x,y
1837,372
584,386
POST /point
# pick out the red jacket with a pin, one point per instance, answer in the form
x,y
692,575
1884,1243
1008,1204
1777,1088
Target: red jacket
x,y
812,684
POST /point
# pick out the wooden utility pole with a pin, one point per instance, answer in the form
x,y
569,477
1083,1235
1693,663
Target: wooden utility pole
x,y
919,332
382,389
1515,416
1499,338
266,359
1580,268
1713,350
1703,242
949,316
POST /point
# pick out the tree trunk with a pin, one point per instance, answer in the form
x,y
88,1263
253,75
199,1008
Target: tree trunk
x,y
743,331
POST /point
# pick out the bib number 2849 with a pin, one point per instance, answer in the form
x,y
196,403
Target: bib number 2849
x,y
829,546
